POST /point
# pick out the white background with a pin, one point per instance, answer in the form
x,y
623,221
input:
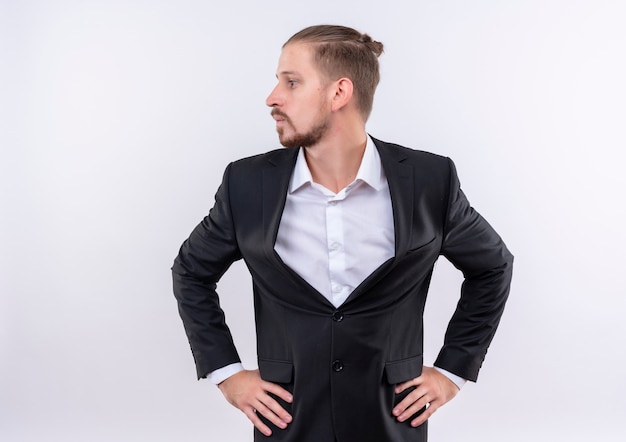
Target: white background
x,y
117,119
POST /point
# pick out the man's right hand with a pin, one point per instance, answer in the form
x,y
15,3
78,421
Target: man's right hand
x,y
248,392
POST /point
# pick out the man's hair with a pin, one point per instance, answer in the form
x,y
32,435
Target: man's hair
x,y
340,51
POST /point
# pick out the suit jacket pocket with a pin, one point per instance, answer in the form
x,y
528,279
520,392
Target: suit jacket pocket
x,y
280,372
422,245
404,369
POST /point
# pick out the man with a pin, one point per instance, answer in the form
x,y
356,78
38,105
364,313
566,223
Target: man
x,y
340,233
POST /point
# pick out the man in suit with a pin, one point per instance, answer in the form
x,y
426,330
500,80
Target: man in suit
x,y
340,232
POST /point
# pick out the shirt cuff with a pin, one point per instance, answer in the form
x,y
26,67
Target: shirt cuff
x,y
221,374
458,380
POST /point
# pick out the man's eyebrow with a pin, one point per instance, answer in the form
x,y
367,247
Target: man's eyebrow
x,y
283,73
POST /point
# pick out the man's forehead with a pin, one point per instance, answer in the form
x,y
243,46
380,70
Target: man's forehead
x,y
294,58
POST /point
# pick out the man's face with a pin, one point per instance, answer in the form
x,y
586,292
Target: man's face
x,y
300,102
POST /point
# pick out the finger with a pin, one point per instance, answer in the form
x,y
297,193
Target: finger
x,y
272,406
411,398
404,385
267,413
413,403
257,422
278,391
432,407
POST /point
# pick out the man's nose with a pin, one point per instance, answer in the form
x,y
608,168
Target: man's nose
x,y
273,99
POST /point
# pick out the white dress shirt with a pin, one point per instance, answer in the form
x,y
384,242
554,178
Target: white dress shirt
x,y
334,241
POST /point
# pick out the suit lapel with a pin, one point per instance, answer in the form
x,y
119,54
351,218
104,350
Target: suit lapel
x,y
275,185
276,178
402,189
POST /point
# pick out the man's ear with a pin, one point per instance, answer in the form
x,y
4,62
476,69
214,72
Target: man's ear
x,y
343,90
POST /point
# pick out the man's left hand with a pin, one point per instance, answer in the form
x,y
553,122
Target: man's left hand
x,y
432,390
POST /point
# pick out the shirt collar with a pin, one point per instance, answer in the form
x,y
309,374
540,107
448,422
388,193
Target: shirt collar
x,y
370,170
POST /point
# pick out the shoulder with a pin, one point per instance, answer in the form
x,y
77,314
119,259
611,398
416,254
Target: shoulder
x,y
415,157
248,175
262,160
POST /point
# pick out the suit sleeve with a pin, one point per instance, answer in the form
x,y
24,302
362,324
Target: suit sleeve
x,y
475,248
202,260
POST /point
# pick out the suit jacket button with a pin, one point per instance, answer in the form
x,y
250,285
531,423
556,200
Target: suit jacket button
x,y
337,366
337,316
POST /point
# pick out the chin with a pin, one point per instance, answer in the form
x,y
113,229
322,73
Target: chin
x,y
288,142
289,145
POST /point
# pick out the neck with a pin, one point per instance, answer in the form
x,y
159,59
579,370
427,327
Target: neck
x,y
335,161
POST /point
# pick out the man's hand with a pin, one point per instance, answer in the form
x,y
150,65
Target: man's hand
x,y
432,389
248,392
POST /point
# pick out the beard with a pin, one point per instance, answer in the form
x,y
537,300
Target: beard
x,y
303,139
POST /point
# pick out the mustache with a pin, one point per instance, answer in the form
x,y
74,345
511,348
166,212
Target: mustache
x,y
278,112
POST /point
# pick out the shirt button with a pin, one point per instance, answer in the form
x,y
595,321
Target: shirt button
x,y
337,316
334,246
337,366
332,203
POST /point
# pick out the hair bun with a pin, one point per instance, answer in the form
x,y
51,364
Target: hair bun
x,y
375,46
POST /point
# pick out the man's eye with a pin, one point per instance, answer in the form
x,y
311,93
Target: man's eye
x,y
292,83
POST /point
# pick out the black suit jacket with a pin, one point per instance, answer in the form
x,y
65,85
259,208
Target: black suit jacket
x,y
342,364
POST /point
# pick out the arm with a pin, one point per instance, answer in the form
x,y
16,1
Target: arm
x,y
473,247
203,258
